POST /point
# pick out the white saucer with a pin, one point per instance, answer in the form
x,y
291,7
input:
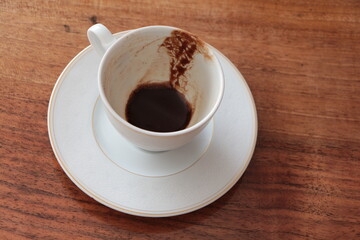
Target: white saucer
x,y
117,174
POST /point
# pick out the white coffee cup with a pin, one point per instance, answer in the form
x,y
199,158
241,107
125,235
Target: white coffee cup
x,y
137,57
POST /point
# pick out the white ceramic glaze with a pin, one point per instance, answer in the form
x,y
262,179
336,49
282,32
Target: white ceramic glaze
x,y
137,58
76,147
146,163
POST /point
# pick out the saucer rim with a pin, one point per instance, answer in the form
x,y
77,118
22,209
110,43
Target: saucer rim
x,y
142,212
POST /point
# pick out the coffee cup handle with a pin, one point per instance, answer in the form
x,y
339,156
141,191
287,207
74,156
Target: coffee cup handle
x,y
100,38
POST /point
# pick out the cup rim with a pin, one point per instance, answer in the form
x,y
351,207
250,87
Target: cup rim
x,y
197,125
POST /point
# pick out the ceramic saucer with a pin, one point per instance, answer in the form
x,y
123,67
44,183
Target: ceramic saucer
x,y
123,177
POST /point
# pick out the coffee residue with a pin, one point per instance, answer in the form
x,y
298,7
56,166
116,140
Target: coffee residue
x,y
181,47
158,107
163,107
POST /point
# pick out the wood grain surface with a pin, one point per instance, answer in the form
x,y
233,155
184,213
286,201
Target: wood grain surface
x,y
301,60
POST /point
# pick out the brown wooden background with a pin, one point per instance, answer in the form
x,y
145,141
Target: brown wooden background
x,y
301,60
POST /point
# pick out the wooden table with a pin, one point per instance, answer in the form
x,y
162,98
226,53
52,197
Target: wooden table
x,y
301,60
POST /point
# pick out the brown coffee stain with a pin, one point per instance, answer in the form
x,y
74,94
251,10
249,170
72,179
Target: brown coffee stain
x,y
181,46
145,46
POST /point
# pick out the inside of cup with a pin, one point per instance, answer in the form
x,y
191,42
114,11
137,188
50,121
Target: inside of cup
x,y
140,58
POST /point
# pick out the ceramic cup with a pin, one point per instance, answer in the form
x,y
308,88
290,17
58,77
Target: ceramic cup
x,y
139,57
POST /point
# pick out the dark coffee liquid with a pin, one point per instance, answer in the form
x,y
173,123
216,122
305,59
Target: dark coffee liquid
x,y
158,107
